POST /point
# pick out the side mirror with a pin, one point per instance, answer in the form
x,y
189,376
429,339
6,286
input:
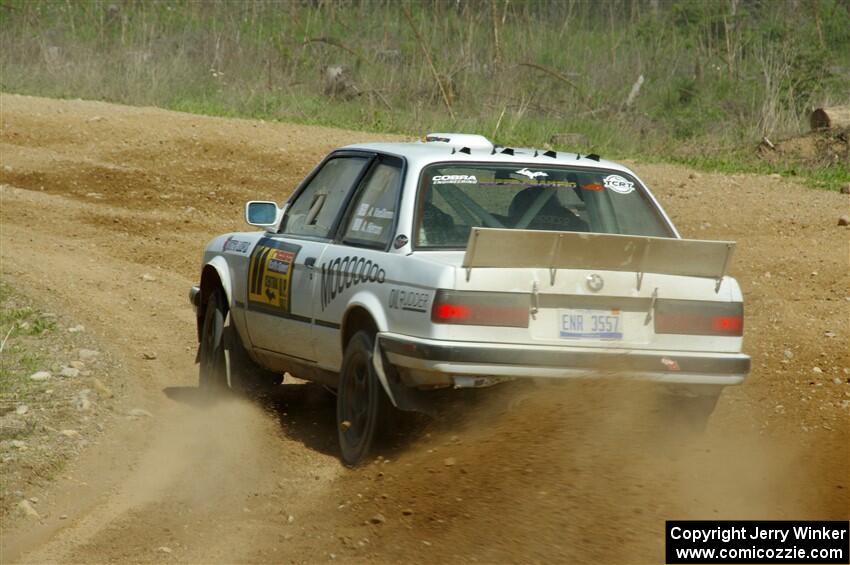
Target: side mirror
x,y
262,214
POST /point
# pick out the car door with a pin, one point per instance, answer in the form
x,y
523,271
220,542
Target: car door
x,y
280,277
354,267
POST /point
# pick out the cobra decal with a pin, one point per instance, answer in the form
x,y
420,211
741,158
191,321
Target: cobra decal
x,y
270,275
344,272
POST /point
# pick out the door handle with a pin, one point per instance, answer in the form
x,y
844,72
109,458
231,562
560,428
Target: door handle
x,y
310,262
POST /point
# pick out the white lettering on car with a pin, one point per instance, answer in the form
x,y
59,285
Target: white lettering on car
x,y
454,179
618,184
236,245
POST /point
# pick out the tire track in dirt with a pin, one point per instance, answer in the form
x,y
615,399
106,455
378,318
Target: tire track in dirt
x,y
94,195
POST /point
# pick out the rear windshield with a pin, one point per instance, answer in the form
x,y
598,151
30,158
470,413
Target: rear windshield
x,y
455,197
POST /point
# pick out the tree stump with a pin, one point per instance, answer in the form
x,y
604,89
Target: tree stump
x,y
830,118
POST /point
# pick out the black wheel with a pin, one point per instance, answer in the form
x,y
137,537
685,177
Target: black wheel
x,y
361,403
213,363
222,352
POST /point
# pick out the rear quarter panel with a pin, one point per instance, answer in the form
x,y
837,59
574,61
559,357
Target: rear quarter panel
x,y
397,290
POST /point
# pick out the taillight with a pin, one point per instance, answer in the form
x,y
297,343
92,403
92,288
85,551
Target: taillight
x,y
691,317
481,308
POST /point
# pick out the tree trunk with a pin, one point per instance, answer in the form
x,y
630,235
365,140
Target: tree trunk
x,y
833,117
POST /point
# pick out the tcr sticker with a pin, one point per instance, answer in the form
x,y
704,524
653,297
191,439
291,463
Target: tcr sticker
x,y
618,184
454,179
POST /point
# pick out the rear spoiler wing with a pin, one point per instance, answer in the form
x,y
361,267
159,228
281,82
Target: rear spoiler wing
x,y
553,250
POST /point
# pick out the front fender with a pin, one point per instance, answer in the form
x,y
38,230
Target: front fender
x,y
215,272
219,265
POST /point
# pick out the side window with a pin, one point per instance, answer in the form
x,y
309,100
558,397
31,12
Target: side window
x,y
316,208
638,216
373,211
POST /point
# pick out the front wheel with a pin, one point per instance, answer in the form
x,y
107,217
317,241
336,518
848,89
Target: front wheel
x,y
212,376
223,358
362,405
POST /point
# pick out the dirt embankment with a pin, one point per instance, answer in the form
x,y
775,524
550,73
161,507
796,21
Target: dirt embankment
x,y
96,195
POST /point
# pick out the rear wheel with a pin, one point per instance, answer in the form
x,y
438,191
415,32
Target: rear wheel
x,y
362,405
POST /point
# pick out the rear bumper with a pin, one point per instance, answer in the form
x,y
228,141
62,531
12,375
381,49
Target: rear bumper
x,y
438,363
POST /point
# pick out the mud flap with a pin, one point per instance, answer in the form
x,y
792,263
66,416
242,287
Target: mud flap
x,y
378,363
401,396
227,339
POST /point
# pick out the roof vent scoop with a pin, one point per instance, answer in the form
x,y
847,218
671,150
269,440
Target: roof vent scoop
x,y
460,141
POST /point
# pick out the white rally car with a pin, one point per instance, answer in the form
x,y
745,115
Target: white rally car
x,y
399,268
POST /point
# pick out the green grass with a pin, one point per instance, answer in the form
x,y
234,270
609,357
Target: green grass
x,y
715,81
826,178
22,330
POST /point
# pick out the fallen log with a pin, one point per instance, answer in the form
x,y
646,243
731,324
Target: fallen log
x,y
831,117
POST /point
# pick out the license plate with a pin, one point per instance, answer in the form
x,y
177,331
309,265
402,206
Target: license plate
x,y
591,324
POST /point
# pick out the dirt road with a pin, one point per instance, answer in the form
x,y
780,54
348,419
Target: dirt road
x,y
96,195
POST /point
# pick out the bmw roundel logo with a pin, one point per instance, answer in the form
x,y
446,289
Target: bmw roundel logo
x,y
595,282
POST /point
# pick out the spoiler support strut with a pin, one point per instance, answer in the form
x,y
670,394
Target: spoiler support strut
x,y
641,264
553,256
729,247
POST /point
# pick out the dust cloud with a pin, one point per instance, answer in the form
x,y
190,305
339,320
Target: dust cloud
x,y
583,471
210,483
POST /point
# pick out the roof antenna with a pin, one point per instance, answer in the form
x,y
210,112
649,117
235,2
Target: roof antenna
x,y
535,152
493,152
453,150
592,157
508,151
578,156
551,153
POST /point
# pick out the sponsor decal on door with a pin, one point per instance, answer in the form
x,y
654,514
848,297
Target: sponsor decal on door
x,y
270,275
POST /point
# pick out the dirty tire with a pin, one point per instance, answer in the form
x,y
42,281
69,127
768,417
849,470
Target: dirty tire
x,y
221,349
362,405
212,377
